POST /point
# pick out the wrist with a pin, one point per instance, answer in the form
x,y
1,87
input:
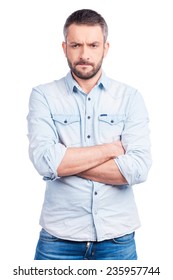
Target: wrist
x,y
108,151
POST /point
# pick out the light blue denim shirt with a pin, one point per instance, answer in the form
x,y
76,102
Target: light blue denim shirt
x,y
61,115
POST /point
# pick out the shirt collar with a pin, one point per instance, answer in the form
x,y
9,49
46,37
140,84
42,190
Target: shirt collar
x,y
73,85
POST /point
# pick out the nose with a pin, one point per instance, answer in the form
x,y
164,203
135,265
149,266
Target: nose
x,y
84,54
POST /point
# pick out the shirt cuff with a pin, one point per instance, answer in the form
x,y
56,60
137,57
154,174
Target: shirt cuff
x,y
53,159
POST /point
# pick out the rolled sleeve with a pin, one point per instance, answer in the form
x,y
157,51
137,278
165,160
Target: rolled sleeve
x,y
45,150
53,158
136,162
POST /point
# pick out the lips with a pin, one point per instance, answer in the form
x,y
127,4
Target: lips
x,y
83,63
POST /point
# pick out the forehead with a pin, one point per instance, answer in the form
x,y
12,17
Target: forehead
x,y
80,33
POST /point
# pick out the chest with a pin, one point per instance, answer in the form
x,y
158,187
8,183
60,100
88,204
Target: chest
x,y
88,120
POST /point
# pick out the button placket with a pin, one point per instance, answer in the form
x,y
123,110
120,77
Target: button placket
x,y
95,200
88,120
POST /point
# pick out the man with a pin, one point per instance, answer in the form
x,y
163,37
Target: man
x,y
89,139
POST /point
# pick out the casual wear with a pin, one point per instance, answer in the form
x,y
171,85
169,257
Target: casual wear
x,y
61,115
53,248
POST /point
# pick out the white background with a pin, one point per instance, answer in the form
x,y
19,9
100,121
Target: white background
x,y
140,36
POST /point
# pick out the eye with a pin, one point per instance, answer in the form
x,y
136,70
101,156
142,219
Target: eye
x,y
94,46
75,46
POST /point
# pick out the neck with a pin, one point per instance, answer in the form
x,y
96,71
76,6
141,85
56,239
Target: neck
x,y
87,85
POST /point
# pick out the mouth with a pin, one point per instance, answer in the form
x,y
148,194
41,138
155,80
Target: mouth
x,y
83,64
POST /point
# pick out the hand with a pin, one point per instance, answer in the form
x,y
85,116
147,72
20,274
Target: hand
x,y
116,148
119,147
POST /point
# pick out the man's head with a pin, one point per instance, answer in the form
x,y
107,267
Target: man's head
x,y
86,17
85,45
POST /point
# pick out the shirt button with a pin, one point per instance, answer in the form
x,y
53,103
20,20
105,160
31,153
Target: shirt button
x,y
88,136
89,117
95,193
65,121
112,121
89,98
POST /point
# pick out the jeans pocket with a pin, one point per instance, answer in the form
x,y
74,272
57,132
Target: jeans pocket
x,y
45,236
125,239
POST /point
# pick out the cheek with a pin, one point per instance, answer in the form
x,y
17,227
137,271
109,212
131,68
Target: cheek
x,y
72,56
95,56
99,57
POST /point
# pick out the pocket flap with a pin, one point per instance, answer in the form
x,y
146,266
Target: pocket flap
x,y
66,119
111,119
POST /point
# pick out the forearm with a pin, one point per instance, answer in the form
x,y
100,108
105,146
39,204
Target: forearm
x,y
77,160
106,172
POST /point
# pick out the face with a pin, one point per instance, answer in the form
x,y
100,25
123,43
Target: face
x,y
85,49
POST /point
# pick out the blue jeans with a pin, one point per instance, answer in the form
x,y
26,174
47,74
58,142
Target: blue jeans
x,y
53,248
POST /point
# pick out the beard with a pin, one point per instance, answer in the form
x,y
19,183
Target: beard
x,y
82,74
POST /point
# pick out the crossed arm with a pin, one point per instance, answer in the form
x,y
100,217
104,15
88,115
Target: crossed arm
x,y
94,163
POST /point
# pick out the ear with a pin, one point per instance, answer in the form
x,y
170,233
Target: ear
x,y
106,48
64,46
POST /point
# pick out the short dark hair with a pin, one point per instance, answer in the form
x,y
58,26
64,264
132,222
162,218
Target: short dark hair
x,y
87,17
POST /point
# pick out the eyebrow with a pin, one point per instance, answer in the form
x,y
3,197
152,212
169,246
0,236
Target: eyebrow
x,y
78,43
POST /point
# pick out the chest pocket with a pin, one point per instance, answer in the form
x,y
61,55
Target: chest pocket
x,y
68,129
110,127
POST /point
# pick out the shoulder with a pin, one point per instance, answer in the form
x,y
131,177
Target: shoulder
x,y
51,87
119,89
